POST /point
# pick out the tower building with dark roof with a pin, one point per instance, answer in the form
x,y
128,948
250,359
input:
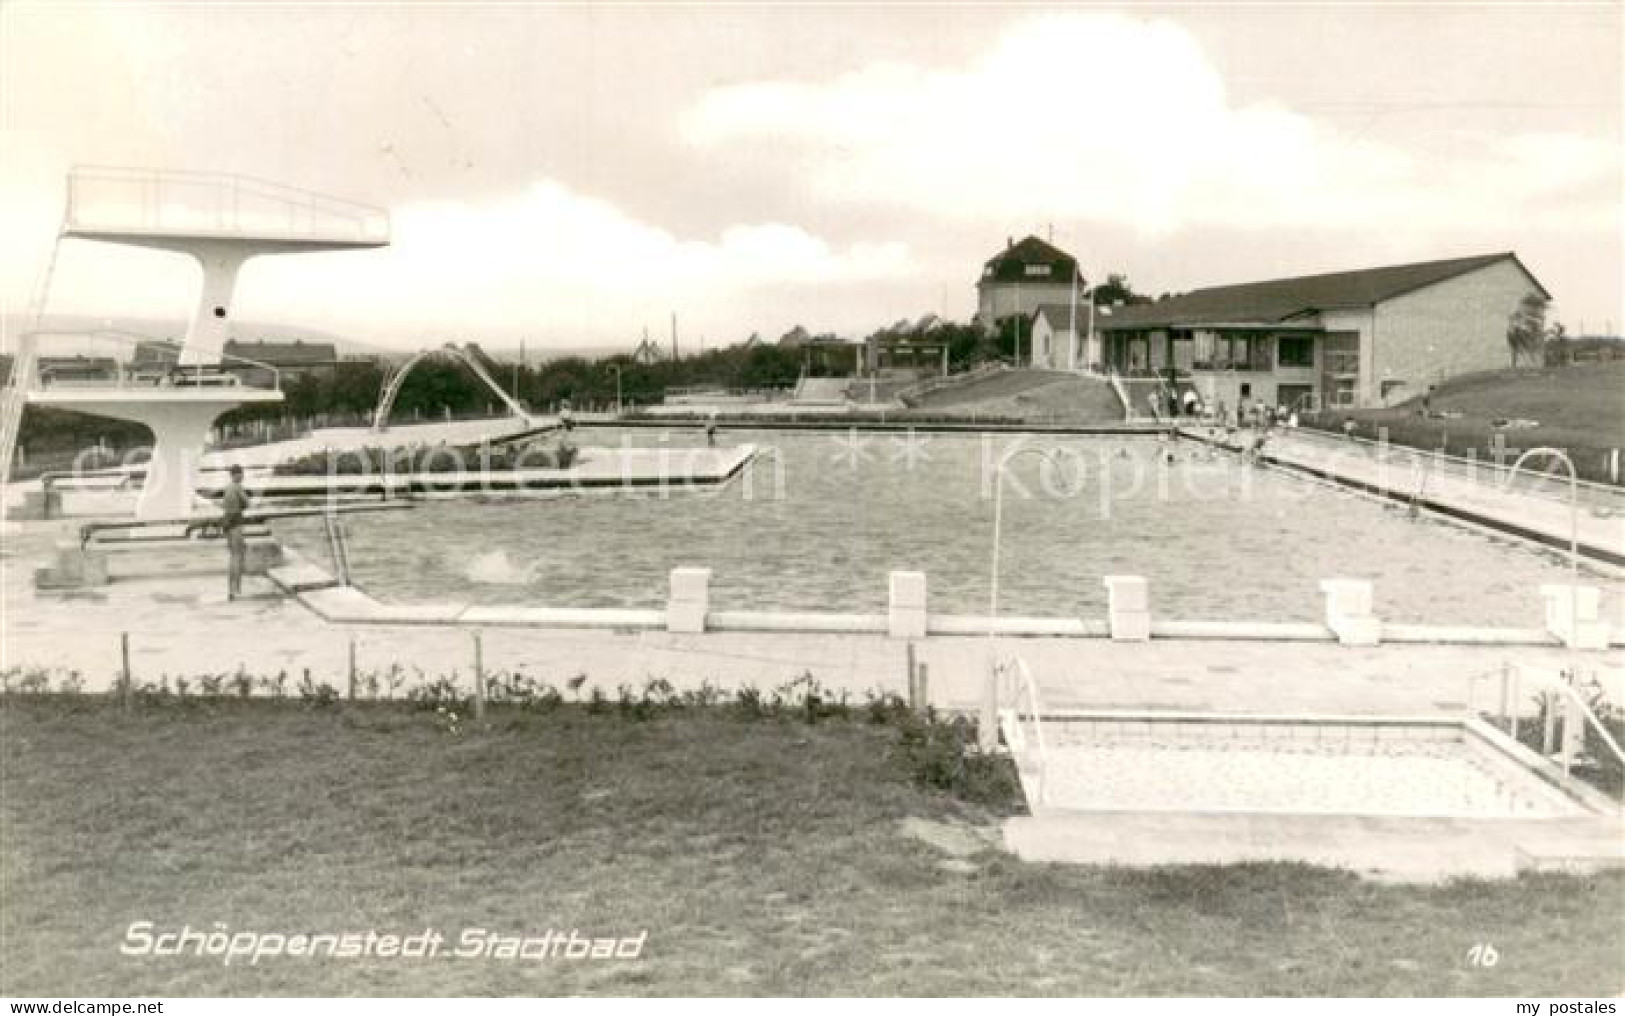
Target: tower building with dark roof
x,y
1025,275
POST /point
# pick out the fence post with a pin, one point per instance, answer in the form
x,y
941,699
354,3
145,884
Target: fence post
x,y
1548,734
126,679
924,684
987,730
913,684
350,690
1512,716
479,677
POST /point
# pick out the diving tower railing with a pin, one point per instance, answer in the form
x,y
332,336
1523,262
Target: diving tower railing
x,y
120,200
106,358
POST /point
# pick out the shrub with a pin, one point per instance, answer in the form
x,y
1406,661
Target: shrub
x,y
934,751
440,694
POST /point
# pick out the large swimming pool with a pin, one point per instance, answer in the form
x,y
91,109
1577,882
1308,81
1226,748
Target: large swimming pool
x,y
821,518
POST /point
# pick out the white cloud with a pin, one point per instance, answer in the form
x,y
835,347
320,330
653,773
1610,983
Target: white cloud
x,y
1103,117
545,261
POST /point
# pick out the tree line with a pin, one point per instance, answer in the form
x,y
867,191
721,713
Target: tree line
x,y
437,385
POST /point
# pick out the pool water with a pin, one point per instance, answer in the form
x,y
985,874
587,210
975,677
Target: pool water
x,y
1328,767
820,519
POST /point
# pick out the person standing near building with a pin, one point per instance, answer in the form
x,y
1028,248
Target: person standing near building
x,y
233,507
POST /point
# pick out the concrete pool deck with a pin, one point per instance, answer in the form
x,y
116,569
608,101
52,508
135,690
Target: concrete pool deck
x,y
181,625
1397,473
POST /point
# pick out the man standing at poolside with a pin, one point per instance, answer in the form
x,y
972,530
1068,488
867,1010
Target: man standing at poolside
x,y
233,505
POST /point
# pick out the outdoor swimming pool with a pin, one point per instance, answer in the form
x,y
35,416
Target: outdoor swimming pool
x,y
1437,769
821,518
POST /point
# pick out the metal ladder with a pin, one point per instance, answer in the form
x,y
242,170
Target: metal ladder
x,y
338,545
15,399
15,396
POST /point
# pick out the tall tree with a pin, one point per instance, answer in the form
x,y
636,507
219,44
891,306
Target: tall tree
x,y
1526,329
1116,289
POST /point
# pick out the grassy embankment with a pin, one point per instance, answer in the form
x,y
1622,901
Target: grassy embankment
x,y
1580,409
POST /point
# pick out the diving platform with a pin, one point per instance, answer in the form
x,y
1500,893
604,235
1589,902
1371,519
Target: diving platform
x,y
221,220
115,203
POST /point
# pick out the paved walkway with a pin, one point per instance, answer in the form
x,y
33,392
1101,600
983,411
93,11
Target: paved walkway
x,y
181,625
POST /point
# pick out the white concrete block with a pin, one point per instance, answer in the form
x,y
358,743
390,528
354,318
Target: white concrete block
x,y
1127,592
1561,599
905,623
685,618
1348,612
1572,615
1346,598
906,615
690,600
1130,625
691,585
908,589
1357,631
1590,635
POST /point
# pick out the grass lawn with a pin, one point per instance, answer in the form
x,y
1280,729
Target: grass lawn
x,y
1581,409
761,856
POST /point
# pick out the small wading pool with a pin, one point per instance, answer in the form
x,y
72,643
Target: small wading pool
x,y
1285,765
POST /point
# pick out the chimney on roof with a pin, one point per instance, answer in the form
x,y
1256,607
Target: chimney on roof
x,y
1009,242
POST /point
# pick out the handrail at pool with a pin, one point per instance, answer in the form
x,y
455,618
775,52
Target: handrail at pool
x,y
1513,687
1015,671
1585,710
194,523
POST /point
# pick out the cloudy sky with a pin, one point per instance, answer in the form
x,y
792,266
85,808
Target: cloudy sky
x,y
572,175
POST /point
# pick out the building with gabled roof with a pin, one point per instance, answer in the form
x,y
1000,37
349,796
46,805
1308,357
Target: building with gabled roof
x,y
258,363
1019,279
1360,338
